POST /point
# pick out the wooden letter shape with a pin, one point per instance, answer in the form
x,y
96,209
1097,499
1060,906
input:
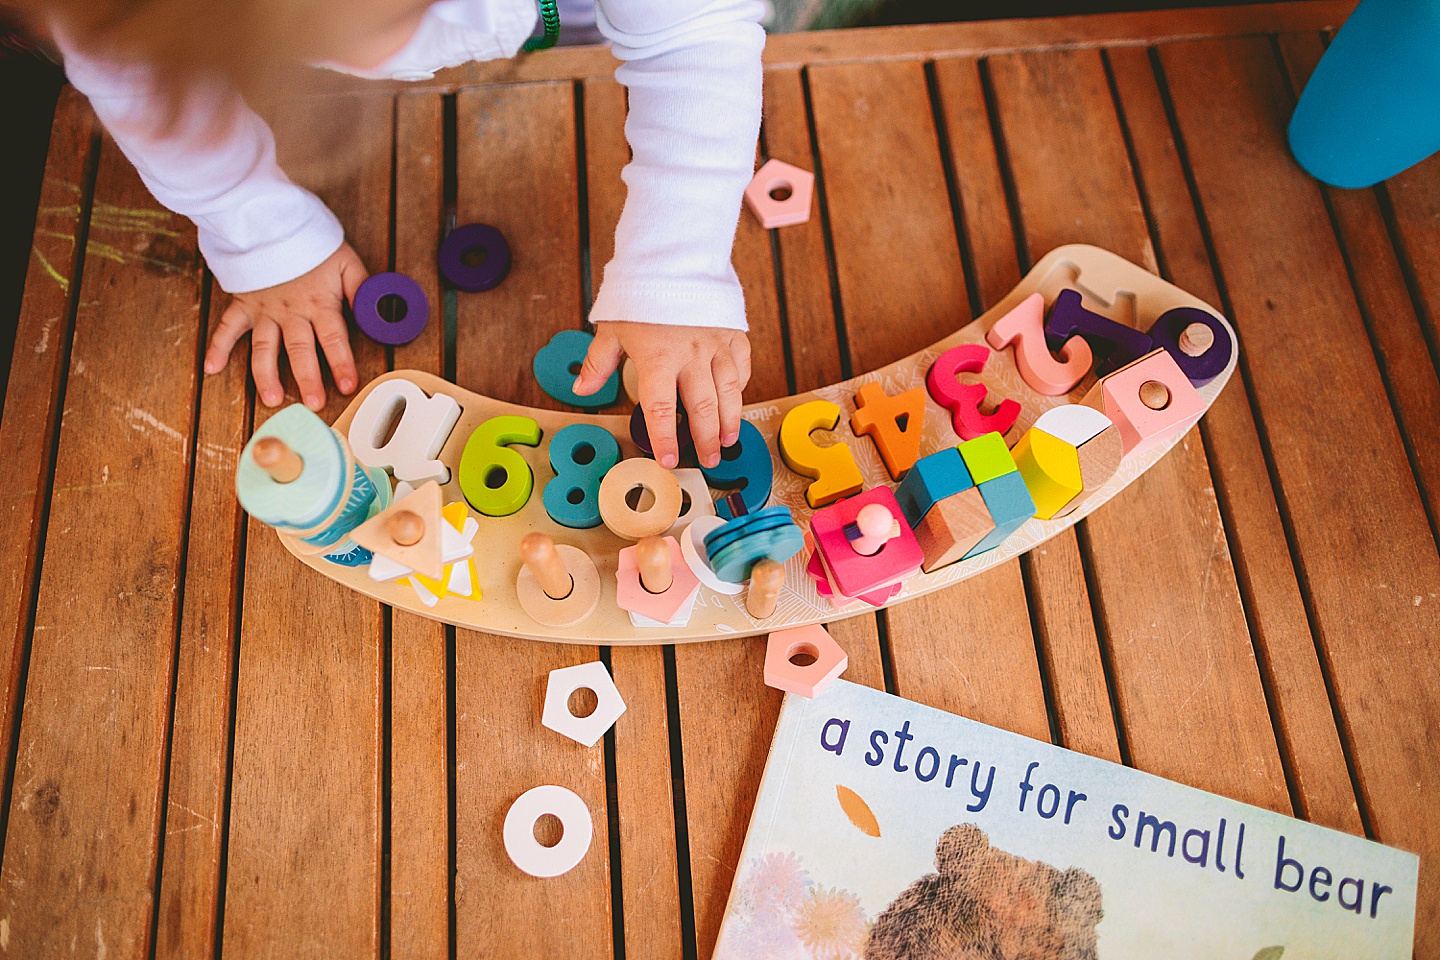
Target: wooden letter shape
x,y
963,399
1024,327
421,426
1142,426
894,423
385,533
1051,468
833,467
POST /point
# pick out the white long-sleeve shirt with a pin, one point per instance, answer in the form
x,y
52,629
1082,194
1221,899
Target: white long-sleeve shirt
x,y
693,71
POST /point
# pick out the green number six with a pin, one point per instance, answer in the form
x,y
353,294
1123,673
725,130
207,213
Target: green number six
x,y
495,479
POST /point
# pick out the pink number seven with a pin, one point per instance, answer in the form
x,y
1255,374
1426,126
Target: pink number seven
x,y
963,399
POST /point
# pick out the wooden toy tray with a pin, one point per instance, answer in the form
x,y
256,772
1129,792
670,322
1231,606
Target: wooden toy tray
x,y
1110,286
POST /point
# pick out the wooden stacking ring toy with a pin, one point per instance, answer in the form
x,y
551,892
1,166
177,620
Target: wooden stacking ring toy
x,y
475,257
634,477
529,854
411,322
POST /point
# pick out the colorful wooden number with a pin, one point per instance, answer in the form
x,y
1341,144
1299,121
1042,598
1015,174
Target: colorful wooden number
x,y
624,492
1024,328
1197,341
1149,415
963,399
1113,344
495,479
417,427
558,363
894,423
746,466
832,467
1051,470
580,454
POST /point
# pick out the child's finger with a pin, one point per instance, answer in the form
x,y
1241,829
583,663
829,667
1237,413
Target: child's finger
x,y
727,391
657,399
232,326
264,361
702,410
600,361
352,273
740,351
334,339
304,363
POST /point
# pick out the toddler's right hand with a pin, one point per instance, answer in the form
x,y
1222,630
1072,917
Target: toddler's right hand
x,y
297,313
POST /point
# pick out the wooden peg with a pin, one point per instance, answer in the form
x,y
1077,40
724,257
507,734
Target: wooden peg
x,y
875,526
276,458
652,556
1154,395
766,579
538,553
406,528
1196,339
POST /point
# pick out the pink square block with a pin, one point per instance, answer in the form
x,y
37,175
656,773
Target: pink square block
x,y
855,574
777,177
1142,427
829,660
630,593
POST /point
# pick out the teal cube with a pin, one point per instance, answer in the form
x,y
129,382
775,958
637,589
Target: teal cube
x,y
1010,505
931,480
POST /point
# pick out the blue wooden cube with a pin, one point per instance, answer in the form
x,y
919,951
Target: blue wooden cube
x,y
1010,505
931,480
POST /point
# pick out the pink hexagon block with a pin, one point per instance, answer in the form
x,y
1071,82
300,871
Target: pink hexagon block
x,y
630,593
809,680
777,177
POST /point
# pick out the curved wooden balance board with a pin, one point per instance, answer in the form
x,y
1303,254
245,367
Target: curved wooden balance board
x,y
1109,285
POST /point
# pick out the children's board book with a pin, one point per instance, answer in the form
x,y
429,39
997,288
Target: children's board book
x,y
886,830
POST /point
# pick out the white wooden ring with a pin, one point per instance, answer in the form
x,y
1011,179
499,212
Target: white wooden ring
x,y
526,852
584,590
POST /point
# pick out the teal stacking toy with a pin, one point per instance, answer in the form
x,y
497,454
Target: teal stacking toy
x,y
1372,106
297,475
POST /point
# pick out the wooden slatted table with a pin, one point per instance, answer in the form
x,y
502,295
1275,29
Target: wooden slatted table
x,y
210,751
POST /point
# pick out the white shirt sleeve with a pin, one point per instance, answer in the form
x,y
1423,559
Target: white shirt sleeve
x,y
256,228
693,70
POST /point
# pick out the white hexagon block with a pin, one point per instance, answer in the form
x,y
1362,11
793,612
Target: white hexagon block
x,y
585,676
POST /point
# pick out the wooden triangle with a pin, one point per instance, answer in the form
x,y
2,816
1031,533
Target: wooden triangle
x,y
423,556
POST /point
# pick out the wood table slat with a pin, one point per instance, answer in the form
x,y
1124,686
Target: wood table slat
x,y
1365,550
37,374
645,801
196,803
1187,683
1299,700
82,845
517,170
305,809
419,900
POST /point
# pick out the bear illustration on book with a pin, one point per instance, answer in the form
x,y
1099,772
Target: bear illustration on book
x,y
986,903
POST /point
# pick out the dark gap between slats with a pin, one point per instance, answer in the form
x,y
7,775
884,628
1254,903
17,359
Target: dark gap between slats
x,y
182,562
612,805
677,794
582,204
450,762
841,336
42,521
1281,502
1092,595
1222,493
1047,683
237,610
952,189
450,191
777,261
387,743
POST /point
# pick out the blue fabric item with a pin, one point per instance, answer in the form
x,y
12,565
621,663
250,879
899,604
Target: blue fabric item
x,y
1372,106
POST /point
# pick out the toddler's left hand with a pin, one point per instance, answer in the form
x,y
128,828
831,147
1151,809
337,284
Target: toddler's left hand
x,y
710,366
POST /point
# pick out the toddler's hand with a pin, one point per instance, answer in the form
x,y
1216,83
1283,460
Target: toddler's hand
x,y
709,365
297,313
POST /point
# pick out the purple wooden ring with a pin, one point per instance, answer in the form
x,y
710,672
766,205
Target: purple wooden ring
x,y
367,309
483,276
640,433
